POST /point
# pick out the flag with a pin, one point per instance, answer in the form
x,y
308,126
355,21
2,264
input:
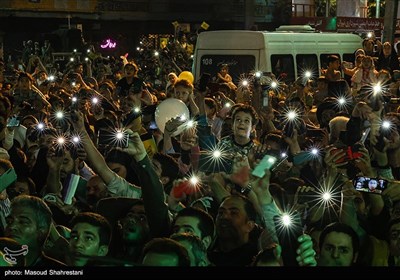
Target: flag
x,y
69,188
205,25
175,24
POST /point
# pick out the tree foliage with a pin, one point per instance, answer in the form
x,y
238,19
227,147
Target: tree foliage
x,y
372,8
320,8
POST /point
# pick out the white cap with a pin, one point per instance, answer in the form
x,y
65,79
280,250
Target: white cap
x,y
4,154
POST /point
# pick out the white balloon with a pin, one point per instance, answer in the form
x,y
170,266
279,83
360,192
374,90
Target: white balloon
x,y
168,109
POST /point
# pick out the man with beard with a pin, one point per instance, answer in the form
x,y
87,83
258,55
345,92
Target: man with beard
x,y
235,220
135,232
131,231
90,237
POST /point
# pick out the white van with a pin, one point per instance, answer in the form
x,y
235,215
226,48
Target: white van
x,y
287,54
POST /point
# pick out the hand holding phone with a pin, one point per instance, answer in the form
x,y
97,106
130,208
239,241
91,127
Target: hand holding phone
x,y
288,229
267,162
112,138
209,164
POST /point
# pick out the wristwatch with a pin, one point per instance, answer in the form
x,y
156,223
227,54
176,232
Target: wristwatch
x,y
246,190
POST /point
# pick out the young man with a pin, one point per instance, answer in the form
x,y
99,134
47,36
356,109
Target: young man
x,y
339,245
197,222
90,236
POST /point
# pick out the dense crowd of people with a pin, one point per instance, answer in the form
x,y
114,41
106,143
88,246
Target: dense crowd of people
x,y
266,173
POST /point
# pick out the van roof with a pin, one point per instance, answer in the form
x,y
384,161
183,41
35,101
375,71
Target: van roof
x,y
246,39
295,28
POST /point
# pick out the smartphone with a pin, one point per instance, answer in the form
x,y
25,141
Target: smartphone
x,y
370,185
7,178
288,230
315,133
299,125
267,162
209,165
153,125
203,82
129,118
265,96
112,138
14,121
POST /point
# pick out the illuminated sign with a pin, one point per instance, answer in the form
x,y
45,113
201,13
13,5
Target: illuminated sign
x,y
109,44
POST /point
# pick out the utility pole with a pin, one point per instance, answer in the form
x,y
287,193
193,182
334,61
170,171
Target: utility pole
x,y
390,20
328,3
378,8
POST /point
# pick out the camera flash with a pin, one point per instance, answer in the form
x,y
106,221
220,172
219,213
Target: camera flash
x,y
51,78
71,59
274,84
88,50
73,84
314,151
86,58
386,124
369,34
156,53
228,105
119,135
245,83
283,155
258,74
286,220
291,115
40,126
307,74
342,100
377,88
216,154
61,140
59,115
190,123
326,196
75,139
136,109
74,99
74,50
194,180
95,100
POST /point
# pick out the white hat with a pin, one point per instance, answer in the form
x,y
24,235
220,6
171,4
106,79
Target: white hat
x,y
20,135
4,154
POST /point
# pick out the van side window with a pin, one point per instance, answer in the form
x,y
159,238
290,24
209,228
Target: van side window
x,y
307,62
283,67
324,59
